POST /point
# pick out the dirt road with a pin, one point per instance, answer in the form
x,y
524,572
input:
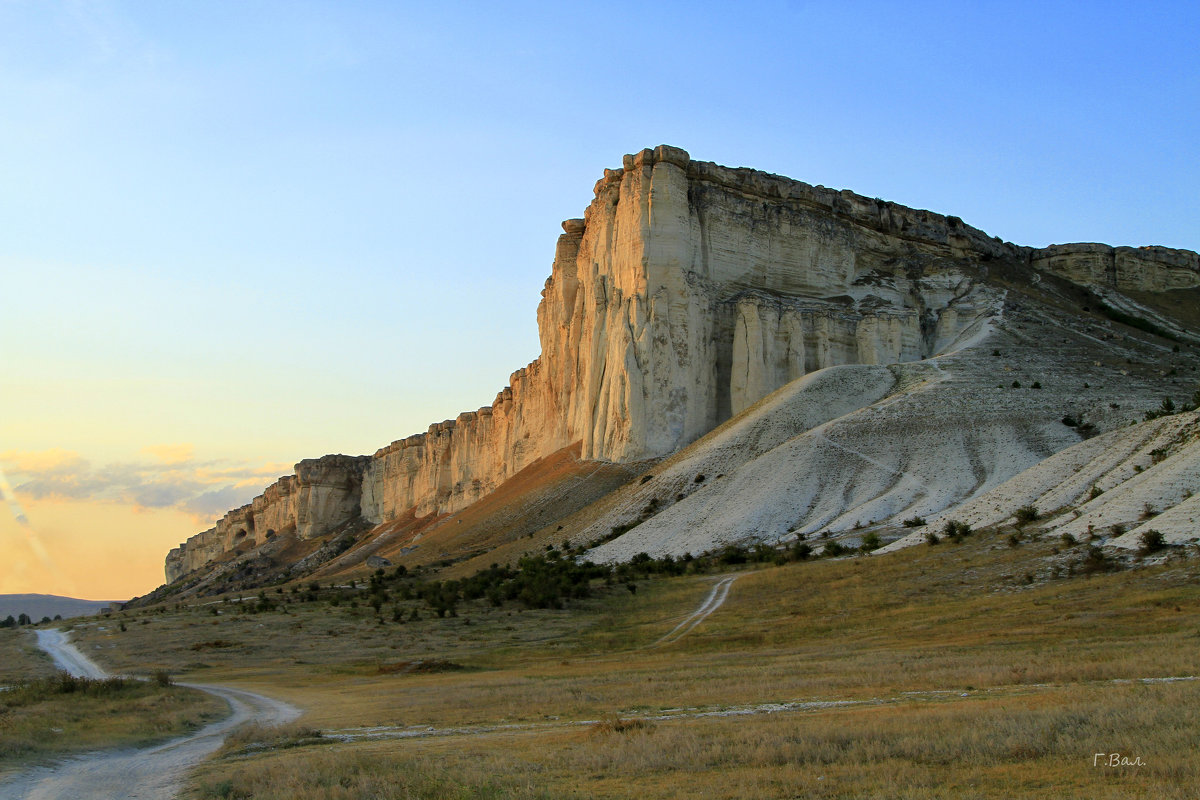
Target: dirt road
x,y
154,773
711,603
66,656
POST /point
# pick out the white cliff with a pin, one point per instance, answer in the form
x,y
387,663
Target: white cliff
x,y
686,293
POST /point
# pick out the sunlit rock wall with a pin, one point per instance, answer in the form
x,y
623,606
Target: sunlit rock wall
x,y
687,292
323,494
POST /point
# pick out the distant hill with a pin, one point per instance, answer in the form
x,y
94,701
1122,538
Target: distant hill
x,y
47,605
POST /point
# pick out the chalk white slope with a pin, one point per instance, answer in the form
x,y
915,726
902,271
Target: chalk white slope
x,y
1116,487
859,446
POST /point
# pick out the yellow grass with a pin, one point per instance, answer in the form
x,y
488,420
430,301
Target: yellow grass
x,y
965,678
1035,745
39,722
20,658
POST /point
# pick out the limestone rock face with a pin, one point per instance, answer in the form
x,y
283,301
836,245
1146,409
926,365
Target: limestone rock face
x,y
687,292
323,494
1152,269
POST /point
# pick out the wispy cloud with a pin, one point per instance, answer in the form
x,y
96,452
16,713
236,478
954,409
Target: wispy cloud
x,y
171,453
173,478
215,502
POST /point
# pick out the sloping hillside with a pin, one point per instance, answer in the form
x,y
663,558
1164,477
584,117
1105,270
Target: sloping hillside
x,y
1114,489
859,446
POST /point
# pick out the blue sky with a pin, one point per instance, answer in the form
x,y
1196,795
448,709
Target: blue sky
x,y
271,230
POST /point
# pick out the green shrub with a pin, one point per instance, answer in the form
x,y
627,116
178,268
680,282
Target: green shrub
x,y
1027,514
833,549
1165,409
1152,541
1096,560
914,522
956,530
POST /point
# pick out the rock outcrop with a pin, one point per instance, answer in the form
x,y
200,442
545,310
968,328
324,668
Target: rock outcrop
x,y
1149,269
686,293
323,494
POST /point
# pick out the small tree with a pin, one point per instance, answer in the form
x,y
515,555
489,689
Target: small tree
x,y
1027,514
1152,541
833,549
955,530
1165,409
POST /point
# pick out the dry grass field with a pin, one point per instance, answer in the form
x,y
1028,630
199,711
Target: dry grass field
x,y
45,719
955,670
20,658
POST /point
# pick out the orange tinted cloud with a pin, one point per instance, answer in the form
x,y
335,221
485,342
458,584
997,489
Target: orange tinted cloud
x,y
40,461
96,550
174,479
171,453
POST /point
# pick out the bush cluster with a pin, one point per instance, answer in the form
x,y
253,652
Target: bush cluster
x,y
552,579
1027,514
63,683
548,579
24,619
1167,407
1152,541
956,531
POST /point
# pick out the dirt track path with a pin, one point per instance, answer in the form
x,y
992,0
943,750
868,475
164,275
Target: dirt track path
x,y
711,603
66,656
153,773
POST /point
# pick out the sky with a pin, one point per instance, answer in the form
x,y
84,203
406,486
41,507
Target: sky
x,y
238,234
